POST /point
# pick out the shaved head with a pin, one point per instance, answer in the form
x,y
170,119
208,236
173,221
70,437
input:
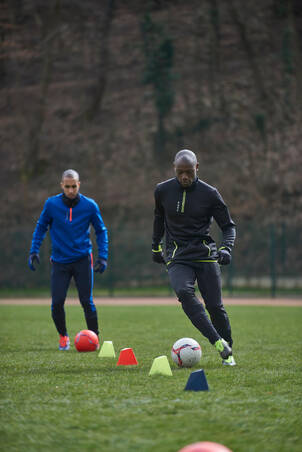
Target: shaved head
x,y
186,156
70,183
185,166
71,174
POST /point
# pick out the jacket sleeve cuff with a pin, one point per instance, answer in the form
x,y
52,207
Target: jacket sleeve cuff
x,y
103,258
223,247
156,248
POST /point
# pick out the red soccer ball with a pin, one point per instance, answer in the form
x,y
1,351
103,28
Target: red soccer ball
x,y
86,341
205,446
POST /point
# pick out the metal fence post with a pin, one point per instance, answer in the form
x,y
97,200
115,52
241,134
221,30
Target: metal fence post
x,y
230,279
283,247
273,260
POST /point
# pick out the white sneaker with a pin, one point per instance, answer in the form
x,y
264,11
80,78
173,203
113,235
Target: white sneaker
x,y
223,348
229,361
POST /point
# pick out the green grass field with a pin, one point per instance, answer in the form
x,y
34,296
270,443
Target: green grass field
x,y
70,401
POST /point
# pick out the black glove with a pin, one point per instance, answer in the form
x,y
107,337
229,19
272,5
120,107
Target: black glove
x,y
157,254
31,260
100,265
224,256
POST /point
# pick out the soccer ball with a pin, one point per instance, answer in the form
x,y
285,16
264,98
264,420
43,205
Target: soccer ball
x,y
86,341
205,446
186,352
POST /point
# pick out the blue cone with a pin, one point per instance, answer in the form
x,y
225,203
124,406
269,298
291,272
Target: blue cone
x,y
197,381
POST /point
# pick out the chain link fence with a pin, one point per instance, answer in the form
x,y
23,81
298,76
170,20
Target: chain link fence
x,y
266,258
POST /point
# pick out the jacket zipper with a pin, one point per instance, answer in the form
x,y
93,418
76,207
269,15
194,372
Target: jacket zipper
x,y
183,201
174,251
205,244
70,214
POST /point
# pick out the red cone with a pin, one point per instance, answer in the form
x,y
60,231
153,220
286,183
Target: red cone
x,y
127,358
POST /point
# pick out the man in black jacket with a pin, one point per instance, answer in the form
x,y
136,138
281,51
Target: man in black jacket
x,y
184,210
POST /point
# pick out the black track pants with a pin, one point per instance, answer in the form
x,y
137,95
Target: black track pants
x,y
82,272
207,274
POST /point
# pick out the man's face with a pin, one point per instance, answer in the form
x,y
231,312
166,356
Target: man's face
x,y
185,172
70,187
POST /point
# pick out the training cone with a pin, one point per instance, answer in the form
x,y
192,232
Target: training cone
x,y
107,350
161,366
127,358
197,381
205,446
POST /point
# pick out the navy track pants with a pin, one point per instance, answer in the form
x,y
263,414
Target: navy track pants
x,y
61,274
207,274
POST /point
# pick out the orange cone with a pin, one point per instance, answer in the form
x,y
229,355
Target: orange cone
x,y
127,358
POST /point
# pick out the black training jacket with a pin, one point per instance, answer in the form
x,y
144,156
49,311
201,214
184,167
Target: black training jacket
x,y
185,215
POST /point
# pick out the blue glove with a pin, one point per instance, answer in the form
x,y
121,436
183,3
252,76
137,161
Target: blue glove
x,y
100,265
31,260
224,256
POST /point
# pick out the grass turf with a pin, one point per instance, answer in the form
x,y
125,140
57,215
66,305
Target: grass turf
x,y
70,401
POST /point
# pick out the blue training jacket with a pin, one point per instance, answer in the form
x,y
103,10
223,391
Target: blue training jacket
x,y
70,229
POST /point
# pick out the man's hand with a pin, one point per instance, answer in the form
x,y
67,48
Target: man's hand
x,y
224,256
31,261
100,265
157,254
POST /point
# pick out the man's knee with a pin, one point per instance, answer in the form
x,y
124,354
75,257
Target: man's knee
x,y
88,307
192,310
57,308
185,294
193,307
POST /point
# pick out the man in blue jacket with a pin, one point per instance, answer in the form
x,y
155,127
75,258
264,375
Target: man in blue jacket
x,y
68,217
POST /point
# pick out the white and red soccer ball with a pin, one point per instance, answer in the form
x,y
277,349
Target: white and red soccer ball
x,y
86,341
186,352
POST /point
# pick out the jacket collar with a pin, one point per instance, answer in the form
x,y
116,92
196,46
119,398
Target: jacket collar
x,y
191,188
70,202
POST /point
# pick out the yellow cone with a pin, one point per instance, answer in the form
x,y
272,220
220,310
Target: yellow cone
x,y
107,350
161,366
